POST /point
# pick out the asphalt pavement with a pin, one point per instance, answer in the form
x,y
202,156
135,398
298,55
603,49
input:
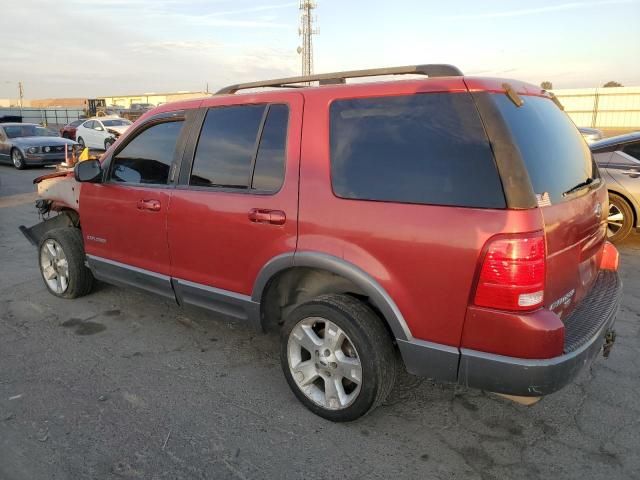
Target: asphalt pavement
x,y
121,384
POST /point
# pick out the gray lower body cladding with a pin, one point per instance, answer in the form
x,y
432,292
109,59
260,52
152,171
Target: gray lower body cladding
x,y
586,329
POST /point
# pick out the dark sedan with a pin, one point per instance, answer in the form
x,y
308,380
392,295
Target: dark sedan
x,y
619,162
25,144
69,130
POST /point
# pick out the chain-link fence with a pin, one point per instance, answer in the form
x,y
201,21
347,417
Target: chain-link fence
x,y
48,117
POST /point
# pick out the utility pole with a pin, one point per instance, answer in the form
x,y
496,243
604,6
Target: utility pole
x,y
20,95
306,31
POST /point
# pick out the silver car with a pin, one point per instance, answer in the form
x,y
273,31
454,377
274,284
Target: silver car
x,y
26,144
591,134
619,161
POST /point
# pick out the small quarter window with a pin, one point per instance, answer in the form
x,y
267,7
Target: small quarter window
x,y
268,174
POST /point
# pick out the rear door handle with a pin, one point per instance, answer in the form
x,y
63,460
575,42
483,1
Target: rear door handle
x,y
275,217
151,205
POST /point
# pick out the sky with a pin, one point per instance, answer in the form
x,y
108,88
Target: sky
x,y
87,48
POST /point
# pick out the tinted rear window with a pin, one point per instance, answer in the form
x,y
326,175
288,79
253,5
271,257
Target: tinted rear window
x,y
424,148
555,154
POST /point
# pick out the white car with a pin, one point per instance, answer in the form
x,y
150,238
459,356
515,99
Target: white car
x,y
101,133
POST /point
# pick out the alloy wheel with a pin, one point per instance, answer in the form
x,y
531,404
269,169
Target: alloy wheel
x,y
615,220
324,363
54,265
17,159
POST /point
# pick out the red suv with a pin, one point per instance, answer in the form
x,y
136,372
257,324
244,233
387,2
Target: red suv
x,y
455,223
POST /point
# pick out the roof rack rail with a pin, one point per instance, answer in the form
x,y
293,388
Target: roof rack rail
x,y
435,70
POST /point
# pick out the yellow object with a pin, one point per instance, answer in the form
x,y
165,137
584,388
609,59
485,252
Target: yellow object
x,y
84,155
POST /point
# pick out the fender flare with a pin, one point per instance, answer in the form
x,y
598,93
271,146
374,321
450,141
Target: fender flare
x,y
377,295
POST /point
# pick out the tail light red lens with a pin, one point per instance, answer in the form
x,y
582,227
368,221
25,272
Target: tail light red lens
x,y
512,274
610,257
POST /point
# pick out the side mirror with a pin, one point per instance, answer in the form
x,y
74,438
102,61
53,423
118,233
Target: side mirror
x,y
88,171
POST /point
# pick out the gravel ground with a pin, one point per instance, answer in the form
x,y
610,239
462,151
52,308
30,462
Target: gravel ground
x,y
121,384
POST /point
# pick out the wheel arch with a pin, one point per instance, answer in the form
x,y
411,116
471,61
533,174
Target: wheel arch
x,y
67,217
325,274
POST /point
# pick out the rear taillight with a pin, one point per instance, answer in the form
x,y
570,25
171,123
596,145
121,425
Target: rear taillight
x,y
610,257
512,273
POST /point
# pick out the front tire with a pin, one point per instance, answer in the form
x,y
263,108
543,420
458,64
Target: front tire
x,y
337,357
62,267
108,142
620,218
18,159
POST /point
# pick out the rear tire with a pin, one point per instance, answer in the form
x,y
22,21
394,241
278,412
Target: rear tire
x,y
61,259
620,218
337,357
81,142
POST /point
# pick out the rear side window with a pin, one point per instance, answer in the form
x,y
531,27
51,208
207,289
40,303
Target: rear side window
x,y
424,148
148,157
554,152
242,147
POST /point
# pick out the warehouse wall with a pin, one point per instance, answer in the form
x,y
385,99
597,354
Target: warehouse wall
x,y
606,108
125,101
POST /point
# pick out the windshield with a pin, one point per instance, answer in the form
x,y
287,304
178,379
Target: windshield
x,y
115,123
27,130
554,152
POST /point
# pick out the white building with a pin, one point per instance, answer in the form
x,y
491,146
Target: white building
x,y
611,108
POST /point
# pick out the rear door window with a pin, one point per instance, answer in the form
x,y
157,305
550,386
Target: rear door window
x,y
242,147
554,152
226,147
423,148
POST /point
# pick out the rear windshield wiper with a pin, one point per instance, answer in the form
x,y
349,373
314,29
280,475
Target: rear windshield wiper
x,y
579,186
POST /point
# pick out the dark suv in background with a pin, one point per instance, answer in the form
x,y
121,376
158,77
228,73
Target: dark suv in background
x,y
456,224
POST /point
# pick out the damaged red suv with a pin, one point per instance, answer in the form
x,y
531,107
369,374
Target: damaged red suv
x,y
454,224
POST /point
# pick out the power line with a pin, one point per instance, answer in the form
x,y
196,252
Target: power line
x,y
306,31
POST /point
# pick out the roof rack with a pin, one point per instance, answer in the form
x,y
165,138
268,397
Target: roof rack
x,y
435,70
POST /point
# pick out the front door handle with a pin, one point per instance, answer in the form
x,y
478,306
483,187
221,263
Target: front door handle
x,y
275,217
151,205
632,173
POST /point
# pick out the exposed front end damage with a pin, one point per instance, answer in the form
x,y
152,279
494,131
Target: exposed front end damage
x,y
58,202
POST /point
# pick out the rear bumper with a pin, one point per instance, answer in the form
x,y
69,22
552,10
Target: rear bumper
x,y
585,333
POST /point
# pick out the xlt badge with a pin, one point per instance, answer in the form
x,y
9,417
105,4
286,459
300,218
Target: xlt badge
x,y
563,300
